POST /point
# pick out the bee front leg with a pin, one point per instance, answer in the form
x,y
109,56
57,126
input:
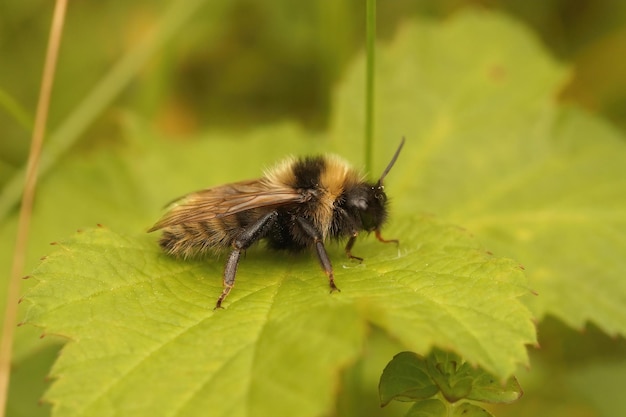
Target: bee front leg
x,y
354,233
382,239
246,238
349,246
316,235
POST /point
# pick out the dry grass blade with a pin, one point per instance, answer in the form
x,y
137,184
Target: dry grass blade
x,y
41,117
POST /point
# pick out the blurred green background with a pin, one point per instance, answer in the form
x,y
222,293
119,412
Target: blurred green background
x,y
241,64
233,66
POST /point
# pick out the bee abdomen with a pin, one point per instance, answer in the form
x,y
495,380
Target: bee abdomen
x,y
195,239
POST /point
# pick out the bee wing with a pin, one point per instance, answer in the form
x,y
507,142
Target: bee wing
x,y
226,200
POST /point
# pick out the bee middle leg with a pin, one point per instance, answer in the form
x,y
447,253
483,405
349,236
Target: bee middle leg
x,y
246,238
316,235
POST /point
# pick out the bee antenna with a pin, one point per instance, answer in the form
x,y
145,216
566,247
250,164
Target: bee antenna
x,y
393,161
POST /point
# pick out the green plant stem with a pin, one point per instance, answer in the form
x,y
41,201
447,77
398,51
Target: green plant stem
x,y
14,109
369,83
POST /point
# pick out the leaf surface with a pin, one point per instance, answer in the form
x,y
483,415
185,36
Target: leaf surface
x,y
145,336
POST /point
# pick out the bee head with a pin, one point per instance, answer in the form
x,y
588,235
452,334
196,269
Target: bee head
x,y
371,204
371,201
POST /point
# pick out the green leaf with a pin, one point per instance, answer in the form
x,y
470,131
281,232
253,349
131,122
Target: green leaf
x,y
451,375
488,148
485,388
469,410
411,377
459,380
145,337
406,378
436,408
428,408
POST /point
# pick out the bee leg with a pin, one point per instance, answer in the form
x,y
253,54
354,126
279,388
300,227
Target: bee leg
x,y
349,246
382,239
316,235
230,271
246,238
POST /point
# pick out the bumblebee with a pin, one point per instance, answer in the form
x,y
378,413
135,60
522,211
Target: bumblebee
x,y
299,204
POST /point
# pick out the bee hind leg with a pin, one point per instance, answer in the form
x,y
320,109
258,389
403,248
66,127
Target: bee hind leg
x,y
230,271
246,238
